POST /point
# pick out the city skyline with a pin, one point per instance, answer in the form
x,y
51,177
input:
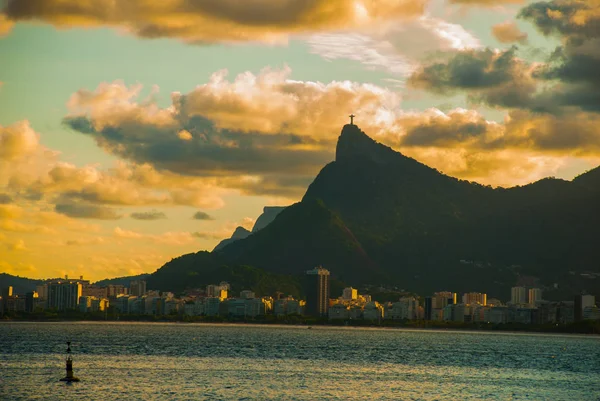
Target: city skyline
x,y
132,135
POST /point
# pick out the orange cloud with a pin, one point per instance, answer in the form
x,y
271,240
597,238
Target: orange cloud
x,y
212,21
509,32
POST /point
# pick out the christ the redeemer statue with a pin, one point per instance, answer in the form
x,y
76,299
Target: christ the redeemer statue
x,y
352,119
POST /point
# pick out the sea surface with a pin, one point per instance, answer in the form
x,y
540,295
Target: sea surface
x,y
154,361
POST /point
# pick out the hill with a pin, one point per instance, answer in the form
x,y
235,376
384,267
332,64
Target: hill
x,y
374,215
21,285
120,280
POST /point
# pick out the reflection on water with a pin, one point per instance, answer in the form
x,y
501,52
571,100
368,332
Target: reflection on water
x,y
221,362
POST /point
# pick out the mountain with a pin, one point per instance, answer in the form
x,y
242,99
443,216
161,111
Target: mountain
x,y
239,233
304,235
120,280
196,270
21,285
375,215
268,215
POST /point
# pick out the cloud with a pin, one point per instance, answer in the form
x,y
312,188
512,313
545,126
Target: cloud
x,y
17,141
487,3
5,26
199,215
152,215
86,211
396,48
573,67
167,238
5,199
265,126
211,20
567,18
509,32
18,245
576,134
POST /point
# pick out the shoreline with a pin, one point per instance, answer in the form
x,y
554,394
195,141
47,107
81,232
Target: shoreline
x,y
589,328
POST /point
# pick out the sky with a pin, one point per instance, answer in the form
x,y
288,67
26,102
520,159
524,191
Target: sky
x,y
132,132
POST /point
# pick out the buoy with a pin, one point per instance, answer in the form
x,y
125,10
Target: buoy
x,y
69,377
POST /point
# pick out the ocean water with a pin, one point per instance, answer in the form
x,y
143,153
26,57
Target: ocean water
x,y
153,361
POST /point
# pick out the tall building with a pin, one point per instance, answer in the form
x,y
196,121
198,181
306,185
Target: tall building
x,y
475,298
42,291
582,302
114,290
30,301
64,295
535,295
317,291
137,287
7,295
518,295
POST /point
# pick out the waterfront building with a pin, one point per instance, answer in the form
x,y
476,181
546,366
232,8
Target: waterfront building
x,y
355,312
443,298
339,312
114,290
496,315
373,311
137,287
247,294
99,304
211,306
136,305
85,303
42,291
218,291
454,313
31,301
475,298
317,291
64,295
349,294
94,291
591,313
565,312
535,295
518,295
520,315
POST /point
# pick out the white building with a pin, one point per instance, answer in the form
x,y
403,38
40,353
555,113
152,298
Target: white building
x,y
591,313
587,301
373,311
535,295
518,295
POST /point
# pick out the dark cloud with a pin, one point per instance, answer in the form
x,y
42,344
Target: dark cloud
x,y
152,215
213,20
576,134
474,69
574,66
5,199
202,216
210,151
85,211
487,76
435,133
567,18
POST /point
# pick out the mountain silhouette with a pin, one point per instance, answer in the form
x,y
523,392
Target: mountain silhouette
x,y
375,214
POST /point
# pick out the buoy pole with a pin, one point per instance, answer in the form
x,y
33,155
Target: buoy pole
x,y
69,377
